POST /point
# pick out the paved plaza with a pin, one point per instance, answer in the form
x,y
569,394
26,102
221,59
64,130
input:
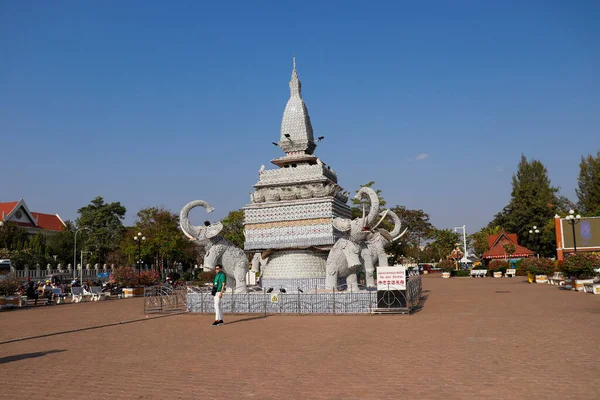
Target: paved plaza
x,y
472,339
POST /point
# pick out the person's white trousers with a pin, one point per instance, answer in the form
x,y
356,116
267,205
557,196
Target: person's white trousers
x,y
218,309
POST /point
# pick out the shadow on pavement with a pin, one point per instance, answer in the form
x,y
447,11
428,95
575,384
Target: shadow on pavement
x,y
25,356
246,319
422,301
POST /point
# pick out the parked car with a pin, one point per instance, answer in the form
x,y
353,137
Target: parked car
x,y
5,268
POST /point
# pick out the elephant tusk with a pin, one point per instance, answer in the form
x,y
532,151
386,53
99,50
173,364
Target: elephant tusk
x,y
382,218
363,217
400,235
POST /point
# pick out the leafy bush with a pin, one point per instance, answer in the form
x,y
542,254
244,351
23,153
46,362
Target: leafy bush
x,y
581,265
518,265
498,265
149,278
538,266
460,272
124,276
9,286
446,265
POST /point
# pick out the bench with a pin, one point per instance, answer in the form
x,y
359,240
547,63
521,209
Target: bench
x,y
478,273
117,292
27,302
510,273
593,288
97,293
59,296
77,295
556,279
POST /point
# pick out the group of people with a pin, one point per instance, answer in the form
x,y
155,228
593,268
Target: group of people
x,y
40,290
46,290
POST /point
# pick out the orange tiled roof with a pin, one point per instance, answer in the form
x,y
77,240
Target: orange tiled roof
x,y
496,243
7,208
48,221
44,221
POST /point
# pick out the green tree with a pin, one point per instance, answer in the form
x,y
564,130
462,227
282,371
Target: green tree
x,y
443,241
480,239
12,236
534,201
233,228
165,243
37,244
419,227
509,248
105,227
588,185
61,244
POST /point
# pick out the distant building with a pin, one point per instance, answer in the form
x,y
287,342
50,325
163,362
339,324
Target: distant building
x,y
583,235
496,245
34,222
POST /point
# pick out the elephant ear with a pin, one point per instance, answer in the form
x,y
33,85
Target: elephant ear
x,y
385,234
213,230
341,224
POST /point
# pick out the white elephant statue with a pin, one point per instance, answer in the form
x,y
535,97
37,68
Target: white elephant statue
x,y
218,249
378,239
350,253
258,262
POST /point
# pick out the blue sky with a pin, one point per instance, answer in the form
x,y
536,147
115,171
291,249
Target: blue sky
x,y
160,103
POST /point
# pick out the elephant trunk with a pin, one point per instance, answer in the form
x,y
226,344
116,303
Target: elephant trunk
x,y
369,220
190,230
397,224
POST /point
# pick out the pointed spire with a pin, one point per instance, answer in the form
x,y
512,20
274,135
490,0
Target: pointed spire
x,y
296,129
295,85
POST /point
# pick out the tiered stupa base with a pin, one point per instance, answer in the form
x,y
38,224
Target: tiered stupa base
x,y
293,269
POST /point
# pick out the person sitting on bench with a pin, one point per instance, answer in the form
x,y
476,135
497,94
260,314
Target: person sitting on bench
x,y
31,293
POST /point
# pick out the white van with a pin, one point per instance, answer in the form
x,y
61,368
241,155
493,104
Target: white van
x,y
5,268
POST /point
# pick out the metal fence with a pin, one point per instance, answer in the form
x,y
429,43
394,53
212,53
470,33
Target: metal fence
x,y
317,301
42,273
165,299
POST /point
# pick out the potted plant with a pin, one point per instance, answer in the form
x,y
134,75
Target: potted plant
x,y
447,266
8,288
498,267
127,278
581,267
544,267
539,268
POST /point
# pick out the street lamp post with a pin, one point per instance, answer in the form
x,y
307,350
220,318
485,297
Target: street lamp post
x,y
464,258
536,238
82,263
75,254
572,220
139,239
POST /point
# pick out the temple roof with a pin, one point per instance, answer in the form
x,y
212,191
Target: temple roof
x,y
296,129
496,244
17,212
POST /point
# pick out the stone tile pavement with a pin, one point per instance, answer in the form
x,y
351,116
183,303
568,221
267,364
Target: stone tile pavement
x,y
473,339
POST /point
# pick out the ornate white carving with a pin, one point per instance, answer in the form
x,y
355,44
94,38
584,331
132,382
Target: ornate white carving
x,y
295,263
301,173
296,129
